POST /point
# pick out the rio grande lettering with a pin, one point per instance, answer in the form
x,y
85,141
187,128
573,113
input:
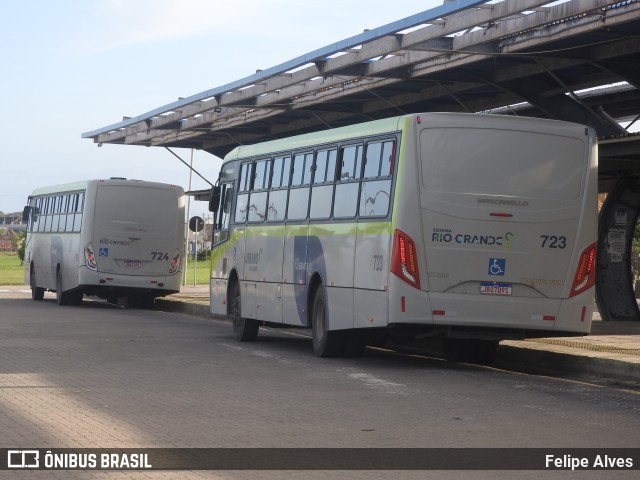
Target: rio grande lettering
x,y
445,235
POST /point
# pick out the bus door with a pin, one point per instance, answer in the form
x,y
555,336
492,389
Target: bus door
x,y
373,238
237,244
295,266
263,251
221,255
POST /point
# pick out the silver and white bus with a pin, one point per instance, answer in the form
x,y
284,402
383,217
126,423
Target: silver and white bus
x,y
110,238
464,229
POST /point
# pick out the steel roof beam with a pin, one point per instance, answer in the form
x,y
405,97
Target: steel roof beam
x,y
306,87
276,79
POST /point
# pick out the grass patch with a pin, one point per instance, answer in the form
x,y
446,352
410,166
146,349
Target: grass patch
x,y
202,273
11,271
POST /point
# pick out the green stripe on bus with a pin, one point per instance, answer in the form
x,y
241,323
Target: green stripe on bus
x,y
320,230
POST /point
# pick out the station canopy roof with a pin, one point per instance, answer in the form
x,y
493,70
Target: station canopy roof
x,y
575,61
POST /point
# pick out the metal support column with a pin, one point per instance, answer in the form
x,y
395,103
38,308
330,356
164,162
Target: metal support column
x,y
614,283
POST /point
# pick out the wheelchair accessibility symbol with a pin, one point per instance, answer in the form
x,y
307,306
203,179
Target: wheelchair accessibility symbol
x,y
497,266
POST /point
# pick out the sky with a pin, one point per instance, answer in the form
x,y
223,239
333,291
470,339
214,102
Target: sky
x,y
70,67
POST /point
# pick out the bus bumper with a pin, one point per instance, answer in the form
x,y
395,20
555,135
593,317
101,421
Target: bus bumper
x,y
107,284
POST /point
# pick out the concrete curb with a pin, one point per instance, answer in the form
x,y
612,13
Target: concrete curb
x,y
520,356
197,309
540,360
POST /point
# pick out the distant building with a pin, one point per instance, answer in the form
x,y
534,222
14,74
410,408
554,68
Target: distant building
x,y
10,222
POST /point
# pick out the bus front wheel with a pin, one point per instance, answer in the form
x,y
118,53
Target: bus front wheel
x,y
326,343
37,293
244,329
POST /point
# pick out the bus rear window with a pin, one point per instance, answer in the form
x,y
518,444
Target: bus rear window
x,y
501,162
123,208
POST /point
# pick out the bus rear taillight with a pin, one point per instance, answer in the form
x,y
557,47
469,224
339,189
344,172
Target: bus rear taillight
x,y
404,259
89,257
586,272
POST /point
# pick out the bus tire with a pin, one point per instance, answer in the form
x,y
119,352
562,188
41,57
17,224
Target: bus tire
x,y
326,343
37,293
244,329
62,298
76,297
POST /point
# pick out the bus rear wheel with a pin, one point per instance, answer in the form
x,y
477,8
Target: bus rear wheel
x,y
62,298
37,293
76,297
244,329
326,343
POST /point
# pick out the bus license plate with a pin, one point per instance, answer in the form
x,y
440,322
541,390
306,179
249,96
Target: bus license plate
x,y
495,288
132,263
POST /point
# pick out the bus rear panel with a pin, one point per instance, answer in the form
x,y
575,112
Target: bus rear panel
x,y
504,225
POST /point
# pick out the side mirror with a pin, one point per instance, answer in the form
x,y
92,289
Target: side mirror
x,y
214,199
25,214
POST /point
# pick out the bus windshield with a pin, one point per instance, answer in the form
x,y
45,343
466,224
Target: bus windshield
x,y
502,163
114,209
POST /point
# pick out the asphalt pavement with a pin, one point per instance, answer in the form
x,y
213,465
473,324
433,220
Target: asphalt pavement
x,y
611,353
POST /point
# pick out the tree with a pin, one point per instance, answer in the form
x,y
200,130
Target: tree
x,y
20,243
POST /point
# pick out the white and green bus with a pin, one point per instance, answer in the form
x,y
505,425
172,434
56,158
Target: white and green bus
x,y
463,229
112,239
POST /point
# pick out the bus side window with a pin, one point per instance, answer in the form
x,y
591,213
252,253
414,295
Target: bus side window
x,y
64,220
299,193
257,207
261,174
35,214
322,191
53,208
241,208
372,160
301,169
244,177
277,202
388,158
49,217
281,170
345,203
57,207
351,163
258,199
47,212
78,207
375,196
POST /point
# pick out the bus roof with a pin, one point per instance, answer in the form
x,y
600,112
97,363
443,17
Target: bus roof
x,y
82,185
65,187
394,124
299,141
